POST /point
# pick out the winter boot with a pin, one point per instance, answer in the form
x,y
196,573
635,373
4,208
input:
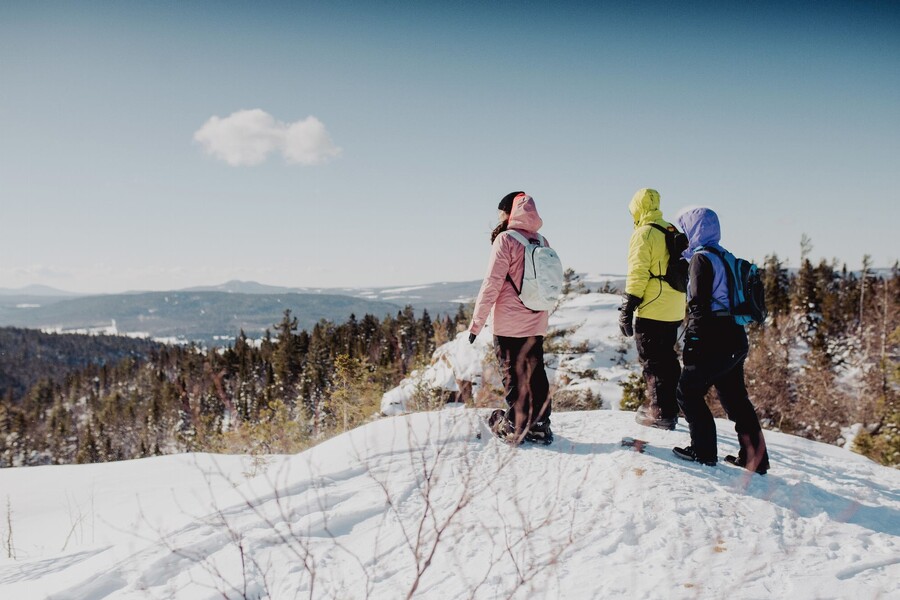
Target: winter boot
x,y
753,455
502,427
540,433
690,453
648,417
741,461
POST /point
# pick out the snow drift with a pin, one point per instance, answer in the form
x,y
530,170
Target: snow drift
x,y
420,505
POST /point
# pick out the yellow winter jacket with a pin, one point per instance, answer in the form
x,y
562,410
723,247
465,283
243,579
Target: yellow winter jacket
x,y
647,255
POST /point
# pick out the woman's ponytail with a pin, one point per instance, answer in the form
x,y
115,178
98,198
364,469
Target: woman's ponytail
x,y
500,228
506,206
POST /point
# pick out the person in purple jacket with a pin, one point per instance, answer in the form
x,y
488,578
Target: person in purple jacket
x,y
715,349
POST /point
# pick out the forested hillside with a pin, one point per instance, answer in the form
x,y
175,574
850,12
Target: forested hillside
x,y
824,366
828,358
28,356
280,395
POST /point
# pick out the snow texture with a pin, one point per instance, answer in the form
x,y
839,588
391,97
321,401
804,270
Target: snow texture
x,y
363,514
429,505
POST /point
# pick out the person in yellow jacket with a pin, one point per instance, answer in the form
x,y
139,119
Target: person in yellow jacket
x,y
659,309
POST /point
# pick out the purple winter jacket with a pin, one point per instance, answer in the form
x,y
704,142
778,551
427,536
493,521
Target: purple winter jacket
x,y
701,226
710,336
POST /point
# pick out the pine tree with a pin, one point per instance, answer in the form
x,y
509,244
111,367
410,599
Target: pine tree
x,y
463,316
370,332
425,342
315,379
443,331
354,395
88,452
777,286
830,317
6,406
569,278
287,358
864,281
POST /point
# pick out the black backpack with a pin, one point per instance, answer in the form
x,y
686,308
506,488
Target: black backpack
x,y
746,291
677,269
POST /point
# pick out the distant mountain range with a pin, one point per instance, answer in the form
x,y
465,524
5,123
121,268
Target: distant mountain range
x,y
36,290
199,316
433,296
216,314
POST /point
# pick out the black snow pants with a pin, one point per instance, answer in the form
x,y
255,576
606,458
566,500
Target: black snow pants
x,y
655,342
720,363
527,388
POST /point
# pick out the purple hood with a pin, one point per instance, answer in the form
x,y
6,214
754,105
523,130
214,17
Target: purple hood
x,y
701,226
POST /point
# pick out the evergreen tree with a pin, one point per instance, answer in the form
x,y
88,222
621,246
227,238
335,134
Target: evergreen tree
x,y
463,317
425,341
777,285
354,395
287,358
88,452
370,333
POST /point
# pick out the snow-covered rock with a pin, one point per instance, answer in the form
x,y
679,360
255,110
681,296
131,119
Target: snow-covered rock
x,y
584,351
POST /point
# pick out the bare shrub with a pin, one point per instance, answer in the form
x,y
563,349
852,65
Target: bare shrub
x,y
431,492
583,399
8,538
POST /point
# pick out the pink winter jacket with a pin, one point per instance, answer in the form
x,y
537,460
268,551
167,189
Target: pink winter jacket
x,y
511,317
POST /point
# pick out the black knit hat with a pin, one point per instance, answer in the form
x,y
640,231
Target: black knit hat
x,y
506,204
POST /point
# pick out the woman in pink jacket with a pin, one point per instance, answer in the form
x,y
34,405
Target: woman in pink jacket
x,y
518,330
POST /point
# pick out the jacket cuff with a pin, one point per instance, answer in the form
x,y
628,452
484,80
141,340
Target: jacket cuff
x,y
631,301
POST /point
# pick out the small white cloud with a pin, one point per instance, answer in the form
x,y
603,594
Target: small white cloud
x,y
248,137
308,143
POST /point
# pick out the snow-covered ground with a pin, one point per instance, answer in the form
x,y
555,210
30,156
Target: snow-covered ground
x,y
421,503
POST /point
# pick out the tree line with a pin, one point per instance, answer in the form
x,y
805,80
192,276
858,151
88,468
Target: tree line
x,y
278,394
825,361
29,355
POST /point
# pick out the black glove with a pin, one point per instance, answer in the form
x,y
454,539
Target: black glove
x,y
472,337
626,314
691,353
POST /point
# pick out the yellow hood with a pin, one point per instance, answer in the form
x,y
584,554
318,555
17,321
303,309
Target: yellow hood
x,y
644,207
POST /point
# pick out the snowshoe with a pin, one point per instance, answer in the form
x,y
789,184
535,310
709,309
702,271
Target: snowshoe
x,y
752,446
501,427
645,417
689,453
540,433
740,461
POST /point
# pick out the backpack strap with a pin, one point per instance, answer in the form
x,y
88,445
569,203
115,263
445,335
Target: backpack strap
x,y
729,278
525,242
513,283
665,232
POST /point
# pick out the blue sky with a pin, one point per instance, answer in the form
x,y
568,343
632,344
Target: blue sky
x,y
410,122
